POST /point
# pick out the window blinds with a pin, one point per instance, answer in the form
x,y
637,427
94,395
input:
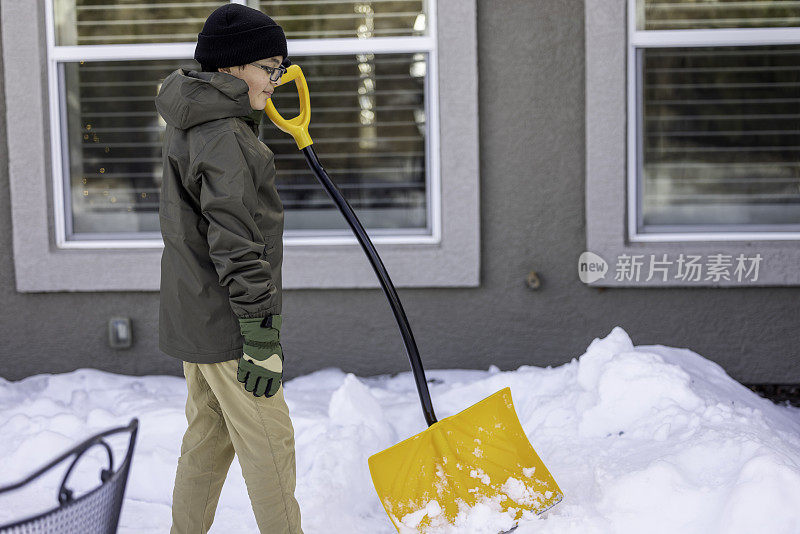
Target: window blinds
x,y
334,18
720,137
697,14
368,128
98,22
92,22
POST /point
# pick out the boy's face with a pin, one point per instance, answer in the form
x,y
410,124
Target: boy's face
x,y
257,79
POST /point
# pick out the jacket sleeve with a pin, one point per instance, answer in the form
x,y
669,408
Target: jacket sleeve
x,y
235,243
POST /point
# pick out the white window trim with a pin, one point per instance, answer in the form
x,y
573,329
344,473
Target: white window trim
x,y
45,261
610,162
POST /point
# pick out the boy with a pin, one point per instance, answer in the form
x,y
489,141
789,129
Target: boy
x,y
220,306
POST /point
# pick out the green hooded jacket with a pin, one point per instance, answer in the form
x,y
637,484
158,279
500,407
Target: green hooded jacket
x,y
221,217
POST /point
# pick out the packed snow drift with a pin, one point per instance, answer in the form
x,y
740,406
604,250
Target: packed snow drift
x,y
640,439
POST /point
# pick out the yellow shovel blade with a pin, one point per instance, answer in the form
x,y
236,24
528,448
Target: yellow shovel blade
x,y
480,454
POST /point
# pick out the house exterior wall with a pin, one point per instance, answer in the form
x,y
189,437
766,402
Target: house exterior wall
x,y
532,175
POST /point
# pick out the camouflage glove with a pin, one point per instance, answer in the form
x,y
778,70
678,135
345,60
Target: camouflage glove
x,y
261,366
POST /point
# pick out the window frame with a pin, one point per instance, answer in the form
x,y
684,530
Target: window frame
x,y
641,39
612,143
447,257
184,51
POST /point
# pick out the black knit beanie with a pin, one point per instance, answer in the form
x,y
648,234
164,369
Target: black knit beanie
x,y
234,34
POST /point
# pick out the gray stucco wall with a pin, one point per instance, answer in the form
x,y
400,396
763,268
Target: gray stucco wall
x,y
532,147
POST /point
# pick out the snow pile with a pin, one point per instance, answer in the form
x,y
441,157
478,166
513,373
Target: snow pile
x,y
640,439
485,516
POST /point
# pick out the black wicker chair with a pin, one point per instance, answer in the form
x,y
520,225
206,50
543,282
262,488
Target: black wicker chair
x,y
95,512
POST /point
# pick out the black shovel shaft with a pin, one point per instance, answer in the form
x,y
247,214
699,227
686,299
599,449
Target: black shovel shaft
x,y
383,276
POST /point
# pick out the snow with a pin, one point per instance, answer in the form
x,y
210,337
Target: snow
x,y
640,439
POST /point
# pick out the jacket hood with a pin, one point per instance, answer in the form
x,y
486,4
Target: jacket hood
x,y
189,97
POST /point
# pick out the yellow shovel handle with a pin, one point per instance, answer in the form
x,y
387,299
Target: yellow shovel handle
x,y
298,126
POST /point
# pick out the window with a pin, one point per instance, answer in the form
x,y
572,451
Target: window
x,y
370,126
398,137
692,139
715,119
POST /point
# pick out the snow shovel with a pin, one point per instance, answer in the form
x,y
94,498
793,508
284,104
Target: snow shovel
x,y
479,456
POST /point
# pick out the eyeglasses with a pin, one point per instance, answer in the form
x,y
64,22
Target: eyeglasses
x,y
274,73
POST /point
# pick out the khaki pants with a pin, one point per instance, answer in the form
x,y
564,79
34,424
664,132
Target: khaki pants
x,y
223,419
